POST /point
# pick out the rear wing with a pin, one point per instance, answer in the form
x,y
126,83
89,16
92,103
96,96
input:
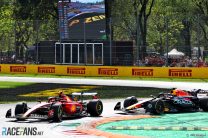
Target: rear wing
x,y
82,94
199,93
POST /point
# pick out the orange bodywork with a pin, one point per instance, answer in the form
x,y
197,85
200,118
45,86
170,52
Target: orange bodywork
x,y
180,93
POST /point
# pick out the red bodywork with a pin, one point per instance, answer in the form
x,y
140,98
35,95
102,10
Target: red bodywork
x,y
180,93
69,105
57,107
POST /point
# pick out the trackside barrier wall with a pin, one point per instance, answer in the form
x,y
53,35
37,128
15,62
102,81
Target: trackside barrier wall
x,y
110,71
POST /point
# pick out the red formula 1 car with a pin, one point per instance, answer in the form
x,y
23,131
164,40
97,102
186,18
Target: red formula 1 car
x,y
57,107
173,102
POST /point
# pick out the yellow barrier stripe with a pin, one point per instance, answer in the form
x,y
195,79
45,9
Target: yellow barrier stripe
x,y
129,71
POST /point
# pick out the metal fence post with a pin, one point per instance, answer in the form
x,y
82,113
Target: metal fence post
x,y
138,40
85,45
167,40
110,38
198,41
37,47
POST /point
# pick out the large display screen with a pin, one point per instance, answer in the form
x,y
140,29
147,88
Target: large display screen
x,y
86,19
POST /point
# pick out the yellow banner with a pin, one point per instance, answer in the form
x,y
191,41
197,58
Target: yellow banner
x,y
110,71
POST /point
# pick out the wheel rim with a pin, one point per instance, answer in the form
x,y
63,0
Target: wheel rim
x,y
60,113
159,107
99,108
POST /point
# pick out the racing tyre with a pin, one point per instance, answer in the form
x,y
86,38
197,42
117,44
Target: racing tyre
x,y
156,107
21,108
130,101
58,112
95,108
204,104
9,113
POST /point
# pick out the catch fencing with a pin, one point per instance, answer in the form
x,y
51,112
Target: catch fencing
x,y
21,44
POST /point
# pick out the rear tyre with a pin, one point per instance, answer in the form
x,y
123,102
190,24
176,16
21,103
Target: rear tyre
x,y
20,109
58,112
204,104
156,107
130,101
95,108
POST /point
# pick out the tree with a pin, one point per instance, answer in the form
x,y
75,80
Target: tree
x,y
31,17
124,23
157,32
130,21
143,9
201,10
6,24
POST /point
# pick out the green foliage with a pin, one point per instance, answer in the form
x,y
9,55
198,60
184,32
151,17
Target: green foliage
x,y
35,21
200,9
124,22
181,15
157,31
25,22
6,24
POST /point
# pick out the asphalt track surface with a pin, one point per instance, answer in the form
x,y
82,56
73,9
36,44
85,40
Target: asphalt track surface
x,y
67,128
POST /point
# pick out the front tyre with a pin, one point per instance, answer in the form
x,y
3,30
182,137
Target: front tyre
x,y
20,109
95,108
156,107
58,112
130,101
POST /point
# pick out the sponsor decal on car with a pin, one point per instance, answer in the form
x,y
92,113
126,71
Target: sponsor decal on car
x,y
180,73
38,116
149,105
21,131
75,71
46,70
108,71
182,101
142,72
17,68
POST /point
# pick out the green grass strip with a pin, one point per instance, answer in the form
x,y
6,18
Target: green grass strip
x,y
117,78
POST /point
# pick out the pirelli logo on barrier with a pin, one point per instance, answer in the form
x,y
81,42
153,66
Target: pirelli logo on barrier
x,y
108,71
18,69
46,70
142,72
75,71
0,68
180,73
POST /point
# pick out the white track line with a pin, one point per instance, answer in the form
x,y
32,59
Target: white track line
x,y
111,82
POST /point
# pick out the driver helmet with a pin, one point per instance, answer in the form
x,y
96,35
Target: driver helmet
x,y
173,92
61,94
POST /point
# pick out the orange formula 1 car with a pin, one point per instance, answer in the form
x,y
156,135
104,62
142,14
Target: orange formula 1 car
x,y
57,107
